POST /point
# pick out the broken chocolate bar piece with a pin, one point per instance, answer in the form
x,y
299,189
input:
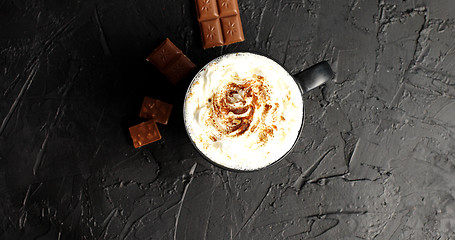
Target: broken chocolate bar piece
x,y
220,22
144,133
156,110
171,62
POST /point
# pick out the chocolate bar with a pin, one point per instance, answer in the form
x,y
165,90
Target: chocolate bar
x,y
156,110
220,22
144,133
171,62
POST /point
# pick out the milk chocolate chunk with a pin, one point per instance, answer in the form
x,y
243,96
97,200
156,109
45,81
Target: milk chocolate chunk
x,y
212,34
179,69
220,22
232,28
144,133
228,7
156,110
171,62
207,9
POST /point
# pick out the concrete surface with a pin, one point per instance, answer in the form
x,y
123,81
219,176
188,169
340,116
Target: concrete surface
x,y
376,159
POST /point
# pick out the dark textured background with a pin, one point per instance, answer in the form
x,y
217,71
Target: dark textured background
x,y
73,75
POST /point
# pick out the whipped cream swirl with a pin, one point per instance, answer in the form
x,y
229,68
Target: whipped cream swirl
x,y
237,106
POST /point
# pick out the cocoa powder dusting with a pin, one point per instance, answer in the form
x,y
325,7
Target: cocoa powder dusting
x,y
235,106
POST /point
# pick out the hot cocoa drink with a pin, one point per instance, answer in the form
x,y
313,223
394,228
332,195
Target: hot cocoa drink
x,y
243,111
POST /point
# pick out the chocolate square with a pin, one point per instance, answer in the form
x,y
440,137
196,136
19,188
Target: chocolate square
x,y
171,62
228,7
232,29
144,133
156,110
211,33
179,69
164,54
207,9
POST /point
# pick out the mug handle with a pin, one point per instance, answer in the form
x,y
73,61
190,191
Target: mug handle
x,y
314,76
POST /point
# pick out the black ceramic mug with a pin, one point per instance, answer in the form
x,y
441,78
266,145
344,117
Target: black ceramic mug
x,y
244,111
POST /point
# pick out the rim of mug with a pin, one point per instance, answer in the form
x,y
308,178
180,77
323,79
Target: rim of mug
x,y
236,169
